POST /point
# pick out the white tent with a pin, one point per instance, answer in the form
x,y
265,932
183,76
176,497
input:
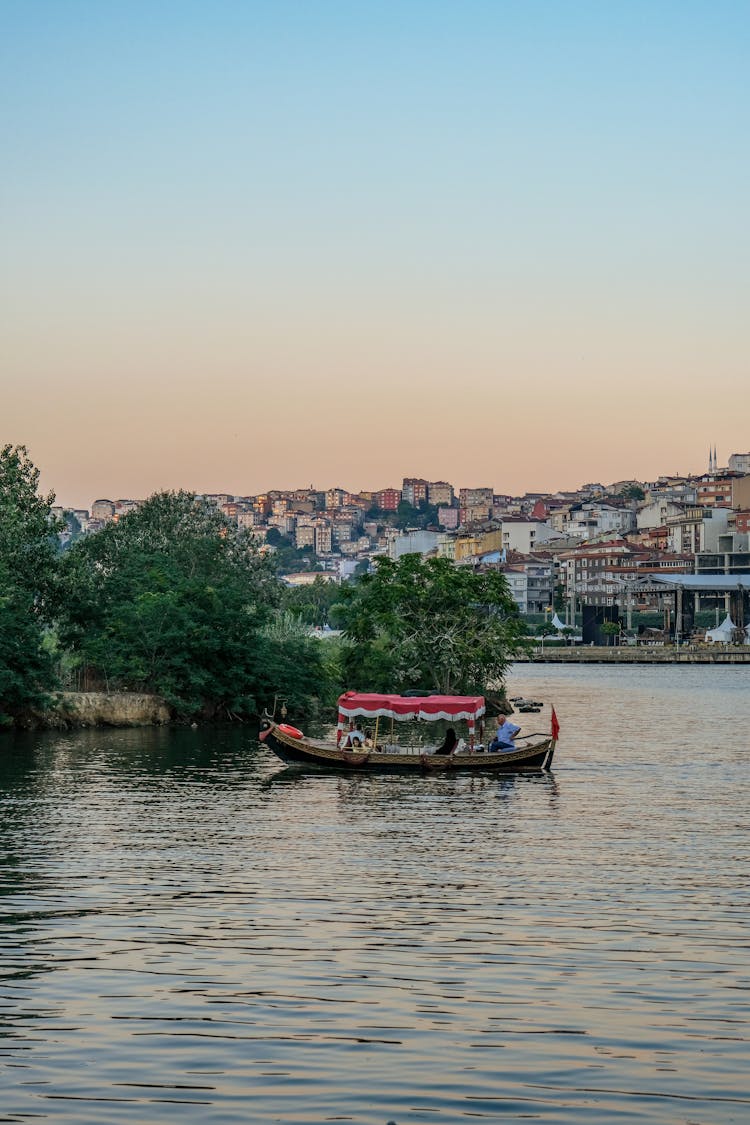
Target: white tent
x,y
723,633
558,623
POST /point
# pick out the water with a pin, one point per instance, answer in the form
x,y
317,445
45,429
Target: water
x,y
189,933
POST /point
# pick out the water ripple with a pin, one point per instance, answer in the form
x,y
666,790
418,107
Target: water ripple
x,y
189,932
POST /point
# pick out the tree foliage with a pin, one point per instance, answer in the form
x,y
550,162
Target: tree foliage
x,y
28,548
311,602
26,666
632,491
427,624
28,531
170,600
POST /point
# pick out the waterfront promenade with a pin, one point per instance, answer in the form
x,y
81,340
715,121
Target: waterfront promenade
x,y
640,654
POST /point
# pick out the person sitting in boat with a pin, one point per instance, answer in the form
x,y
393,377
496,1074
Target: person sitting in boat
x,y
356,738
504,735
449,742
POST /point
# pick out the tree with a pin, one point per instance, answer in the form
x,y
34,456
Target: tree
x,y
171,599
26,667
409,516
632,492
28,552
28,539
310,603
611,629
427,624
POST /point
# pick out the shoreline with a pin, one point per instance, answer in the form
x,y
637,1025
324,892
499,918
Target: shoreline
x,y
644,654
81,709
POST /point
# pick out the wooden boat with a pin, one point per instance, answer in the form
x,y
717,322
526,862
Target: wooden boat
x,y
293,747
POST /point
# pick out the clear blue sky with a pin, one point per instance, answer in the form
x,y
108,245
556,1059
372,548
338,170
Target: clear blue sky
x,y
432,224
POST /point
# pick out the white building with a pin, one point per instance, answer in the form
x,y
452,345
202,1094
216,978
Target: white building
x,y
525,535
413,543
657,513
697,530
592,519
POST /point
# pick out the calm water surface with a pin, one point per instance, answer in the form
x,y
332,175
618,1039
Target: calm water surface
x,y
190,933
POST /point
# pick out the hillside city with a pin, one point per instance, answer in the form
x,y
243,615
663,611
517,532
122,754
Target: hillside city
x,y
598,544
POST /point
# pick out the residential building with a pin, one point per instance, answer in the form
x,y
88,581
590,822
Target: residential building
x,y
336,497
448,518
414,491
473,497
741,492
468,546
715,492
103,510
413,543
388,499
531,583
286,524
440,494
122,507
739,463
304,537
656,513
697,530
474,513
524,534
322,544
592,518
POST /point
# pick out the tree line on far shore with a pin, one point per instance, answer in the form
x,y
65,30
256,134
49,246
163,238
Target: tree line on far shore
x,y
174,600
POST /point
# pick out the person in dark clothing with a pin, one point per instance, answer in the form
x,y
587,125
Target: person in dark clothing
x,y
449,742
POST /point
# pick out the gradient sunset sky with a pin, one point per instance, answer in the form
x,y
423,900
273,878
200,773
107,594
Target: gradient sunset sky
x,y
269,244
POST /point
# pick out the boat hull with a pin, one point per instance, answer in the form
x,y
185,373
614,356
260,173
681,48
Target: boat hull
x,y
305,751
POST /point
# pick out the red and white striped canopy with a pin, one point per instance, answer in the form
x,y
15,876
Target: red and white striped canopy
x,y
403,707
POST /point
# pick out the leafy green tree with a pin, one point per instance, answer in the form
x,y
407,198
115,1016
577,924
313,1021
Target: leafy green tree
x,y
26,666
409,516
632,492
28,562
301,669
427,624
546,629
310,603
611,629
28,530
171,600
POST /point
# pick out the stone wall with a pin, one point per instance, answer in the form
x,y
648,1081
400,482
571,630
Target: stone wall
x,y
106,709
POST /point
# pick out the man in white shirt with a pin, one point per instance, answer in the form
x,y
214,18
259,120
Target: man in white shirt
x,y
504,735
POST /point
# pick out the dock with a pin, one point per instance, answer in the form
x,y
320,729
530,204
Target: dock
x,y
641,654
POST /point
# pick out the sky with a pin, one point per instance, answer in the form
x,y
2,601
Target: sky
x,y
253,245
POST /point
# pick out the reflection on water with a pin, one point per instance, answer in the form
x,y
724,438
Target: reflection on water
x,y
190,931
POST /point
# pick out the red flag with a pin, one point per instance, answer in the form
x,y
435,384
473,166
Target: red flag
x,y
555,726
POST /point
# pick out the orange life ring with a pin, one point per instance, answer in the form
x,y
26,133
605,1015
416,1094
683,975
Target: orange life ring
x,y
291,731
